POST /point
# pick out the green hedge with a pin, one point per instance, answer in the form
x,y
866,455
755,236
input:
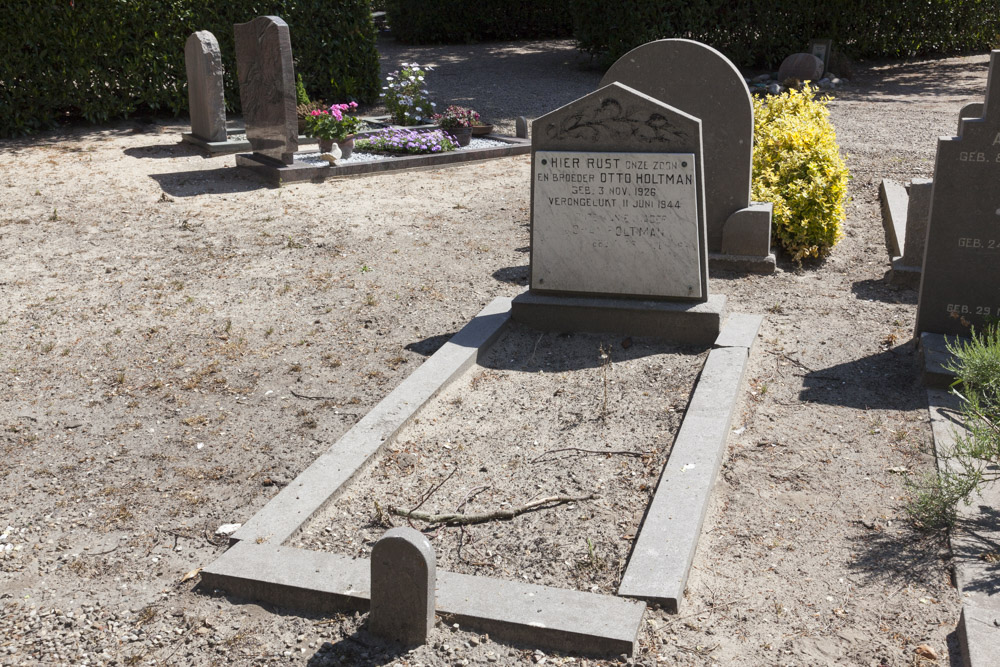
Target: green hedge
x,y
419,21
763,32
104,59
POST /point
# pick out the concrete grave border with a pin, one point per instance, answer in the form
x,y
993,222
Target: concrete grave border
x,y
276,174
258,568
978,582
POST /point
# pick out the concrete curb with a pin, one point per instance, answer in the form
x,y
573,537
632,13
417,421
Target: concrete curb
x,y
270,172
319,484
665,546
976,532
551,618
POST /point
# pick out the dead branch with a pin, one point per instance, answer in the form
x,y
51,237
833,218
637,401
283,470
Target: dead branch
x,y
617,452
454,519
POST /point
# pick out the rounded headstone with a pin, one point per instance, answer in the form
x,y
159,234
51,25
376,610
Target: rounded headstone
x,y
698,80
403,578
801,66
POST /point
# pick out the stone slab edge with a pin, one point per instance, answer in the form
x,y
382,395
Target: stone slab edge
x,y
742,263
230,146
895,201
934,356
979,636
295,173
318,484
904,275
550,618
683,322
665,546
978,582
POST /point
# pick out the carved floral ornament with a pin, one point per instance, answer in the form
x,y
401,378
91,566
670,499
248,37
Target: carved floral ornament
x,y
612,120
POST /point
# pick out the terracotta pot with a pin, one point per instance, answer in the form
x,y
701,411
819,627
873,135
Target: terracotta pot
x,y
325,145
346,147
462,135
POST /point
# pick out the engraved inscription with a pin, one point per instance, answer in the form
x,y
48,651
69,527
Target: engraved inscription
x,y
621,223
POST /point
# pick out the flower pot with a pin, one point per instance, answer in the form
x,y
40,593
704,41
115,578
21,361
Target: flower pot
x,y
481,130
462,135
346,147
325,145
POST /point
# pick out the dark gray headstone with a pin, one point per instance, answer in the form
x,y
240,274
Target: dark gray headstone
x,y
700,81
206,97
267,87
960,281
618,201
402,587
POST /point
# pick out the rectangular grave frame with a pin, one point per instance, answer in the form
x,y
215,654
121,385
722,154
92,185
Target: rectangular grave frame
x,y
256,567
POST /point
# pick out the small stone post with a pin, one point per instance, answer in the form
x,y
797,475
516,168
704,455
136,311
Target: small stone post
x,y
403,579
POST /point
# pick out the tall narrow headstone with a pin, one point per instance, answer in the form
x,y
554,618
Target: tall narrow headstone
x,y
700,81
206,97
267,87
403,579
960,280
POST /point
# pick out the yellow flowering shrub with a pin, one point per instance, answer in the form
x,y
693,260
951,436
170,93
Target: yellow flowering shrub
x,y
798,168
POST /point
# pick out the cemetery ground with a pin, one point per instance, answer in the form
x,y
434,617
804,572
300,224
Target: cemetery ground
x,y
178,342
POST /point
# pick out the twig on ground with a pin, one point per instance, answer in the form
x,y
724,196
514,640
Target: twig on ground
x,y
794,361
580,450
426,496
455,519
470,495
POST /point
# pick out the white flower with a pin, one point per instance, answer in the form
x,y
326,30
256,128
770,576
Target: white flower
x,y
413,78
420,78
433,105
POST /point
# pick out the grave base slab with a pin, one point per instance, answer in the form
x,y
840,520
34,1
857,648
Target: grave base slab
x,y
934,356
275,173
764,265
550,618
902,275
682,322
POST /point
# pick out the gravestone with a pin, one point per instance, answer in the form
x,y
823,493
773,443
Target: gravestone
x,y
618,220
700,81
403,579
206,97
267,87
905,210
960,280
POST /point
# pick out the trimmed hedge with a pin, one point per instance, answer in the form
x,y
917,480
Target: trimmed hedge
x,y
103,59
798,168
422,22
763,32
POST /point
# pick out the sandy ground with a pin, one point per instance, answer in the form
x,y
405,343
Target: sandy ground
x,y
159,313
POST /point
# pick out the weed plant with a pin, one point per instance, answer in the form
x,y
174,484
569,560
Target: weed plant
x,y
974,459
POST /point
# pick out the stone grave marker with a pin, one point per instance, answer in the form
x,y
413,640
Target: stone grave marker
x,y
960,280
700,81
267,87
206,97
402,587
618,216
